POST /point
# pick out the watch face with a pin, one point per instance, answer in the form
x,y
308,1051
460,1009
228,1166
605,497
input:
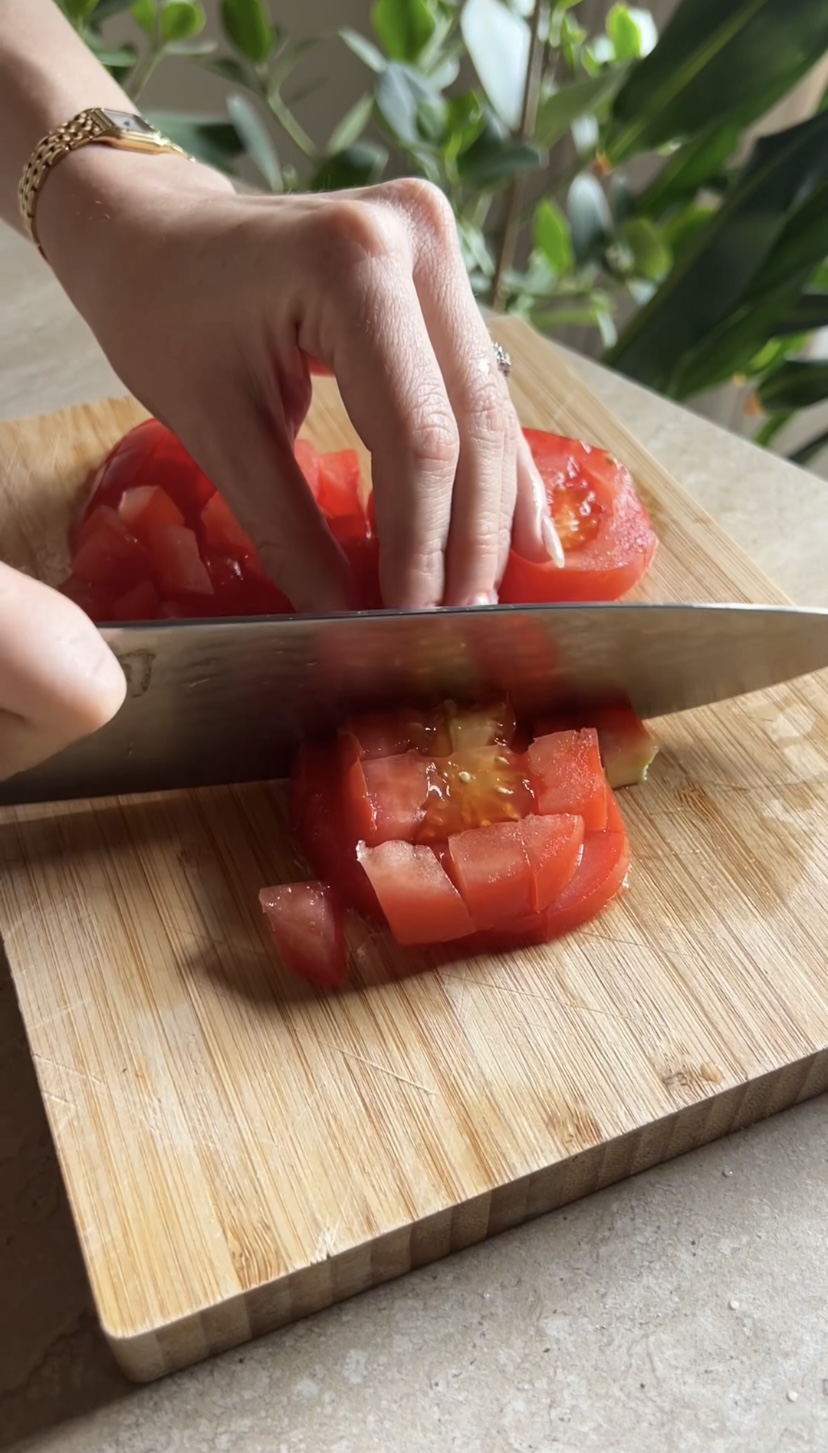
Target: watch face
x,y
130,123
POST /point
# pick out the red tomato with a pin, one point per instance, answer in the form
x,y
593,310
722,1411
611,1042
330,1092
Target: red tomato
x,y
150,455
491,867
109,554
567,775
397,789
178,566
418,898
606,534
146,508
139,604
220,532
598,877
339,484
554,846
308,461
615,822
308,923
319,823
93,599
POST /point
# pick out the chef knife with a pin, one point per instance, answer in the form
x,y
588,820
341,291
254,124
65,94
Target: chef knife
x,y
213,702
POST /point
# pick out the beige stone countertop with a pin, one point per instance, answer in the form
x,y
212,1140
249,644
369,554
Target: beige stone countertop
x,y
683,1311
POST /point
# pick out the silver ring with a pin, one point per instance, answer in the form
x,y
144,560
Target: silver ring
x,y
503,359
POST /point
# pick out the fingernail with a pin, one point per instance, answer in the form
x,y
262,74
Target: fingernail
x,y
551,540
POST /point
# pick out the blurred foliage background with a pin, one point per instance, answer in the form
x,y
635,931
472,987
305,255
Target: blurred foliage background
x,y
602,175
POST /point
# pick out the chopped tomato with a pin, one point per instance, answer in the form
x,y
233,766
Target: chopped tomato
x,y
339,484
566,775
151,455
308,461
307,921
627,746
220,531
418,898
110,555
319,820
554,846
437,732
607,537
93,599
139,604
615,821
397,790
146,508
491,867
474,788
598,878
178,566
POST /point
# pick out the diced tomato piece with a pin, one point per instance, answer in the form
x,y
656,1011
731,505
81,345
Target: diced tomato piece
x,y
419,900
397,789
566,775
109,554
220,531
150,455
308,461
363,558
615,821
178,566
359,817
318,823
607,537
598,877
628,747
139,604
188,608
93,599
307,921
554,845
146,508
491,867
339,484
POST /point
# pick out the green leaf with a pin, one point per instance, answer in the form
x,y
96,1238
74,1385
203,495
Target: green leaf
x,y
196,49
465,121
257,140
552,236
651,256
246,23
493,160
352,125
498,43
690,168
402,97
105,8
624,33
716,60
210,138
589,217
796,385
364,49
78,9
680,229
403,27
809,312
143,13
356,166
115,60
559,108
229,69
809,451
713,275
180,19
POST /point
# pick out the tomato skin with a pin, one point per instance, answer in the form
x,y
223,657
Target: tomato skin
x,y
554,846
319,824
615,820
307,921
420,903
150,455
339,484
397,789
607,565
598,879
566,775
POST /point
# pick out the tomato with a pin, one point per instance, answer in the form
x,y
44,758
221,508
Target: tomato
x,y
308,461
324,826
627,746
307,921
598,878
566,775
220,532
491,868
146,508
93,599
177,564
397,789
139,604
416,894
109,555
554,846
607,537
338,489
615,821
150,455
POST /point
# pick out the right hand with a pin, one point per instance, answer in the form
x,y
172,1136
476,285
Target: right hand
x,y
58,679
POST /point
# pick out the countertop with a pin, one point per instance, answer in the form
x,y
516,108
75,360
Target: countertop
x,y
684,1309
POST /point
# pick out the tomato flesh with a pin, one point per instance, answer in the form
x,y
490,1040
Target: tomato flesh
x,y
110,553
307,922
567,775
178,566
554,846
491,868
607,537
416,894
146,508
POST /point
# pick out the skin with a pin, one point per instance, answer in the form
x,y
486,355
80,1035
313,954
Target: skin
x,y
210,306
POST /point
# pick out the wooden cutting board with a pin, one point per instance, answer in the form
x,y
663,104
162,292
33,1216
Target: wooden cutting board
x,y
239,1152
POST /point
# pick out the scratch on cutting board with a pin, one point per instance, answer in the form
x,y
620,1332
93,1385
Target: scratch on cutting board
x,y
54,1064
57,1014
613,1014
384,1070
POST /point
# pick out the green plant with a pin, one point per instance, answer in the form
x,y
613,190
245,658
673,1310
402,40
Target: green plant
x,y
531,125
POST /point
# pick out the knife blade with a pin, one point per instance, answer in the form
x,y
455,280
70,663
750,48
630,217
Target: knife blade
x,y
219,702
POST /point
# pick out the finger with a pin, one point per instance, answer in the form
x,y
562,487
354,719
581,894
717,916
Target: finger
x,y
371,332
249,457
486,484
58,679
534,535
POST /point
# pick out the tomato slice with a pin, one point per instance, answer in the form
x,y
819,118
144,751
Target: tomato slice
x,y
145,508
324,827
475,788
307,921
566,775
615,820
178,566
598,878
397,789
416,894
491,868
554,846
109,554
628,747
605,531
139,604
150,455
219,530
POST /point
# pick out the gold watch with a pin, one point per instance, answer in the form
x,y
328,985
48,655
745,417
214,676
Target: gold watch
x,y
108,128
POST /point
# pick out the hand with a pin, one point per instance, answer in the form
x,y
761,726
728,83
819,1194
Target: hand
x,y
58,681
210,304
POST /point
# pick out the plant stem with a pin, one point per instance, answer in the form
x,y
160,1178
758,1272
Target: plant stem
x,y
528,122
145,67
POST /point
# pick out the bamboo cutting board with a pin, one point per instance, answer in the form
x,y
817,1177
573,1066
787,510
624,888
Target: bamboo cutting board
x,y
238,1152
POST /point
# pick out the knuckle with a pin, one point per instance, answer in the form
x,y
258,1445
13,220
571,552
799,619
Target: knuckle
x,y
427,205
347,232
434,439
489,414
